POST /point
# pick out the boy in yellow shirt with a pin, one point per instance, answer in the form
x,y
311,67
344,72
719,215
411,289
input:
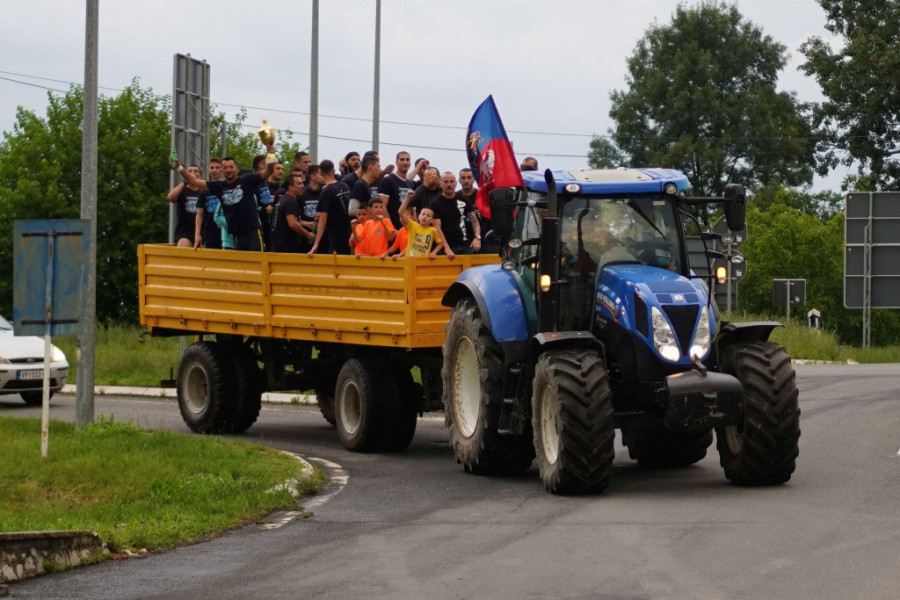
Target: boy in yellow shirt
x,y
424,239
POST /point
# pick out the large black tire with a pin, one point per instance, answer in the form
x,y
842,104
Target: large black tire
x,y
763,450
204,382
662,449
359,404
401,411
472,378
34,398
573,421
248,389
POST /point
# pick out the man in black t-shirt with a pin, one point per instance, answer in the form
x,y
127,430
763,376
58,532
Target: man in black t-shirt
x,y
286,228
309,205
363,190
428,192
187,200
238,197
467,192
333,231
395,186
450,213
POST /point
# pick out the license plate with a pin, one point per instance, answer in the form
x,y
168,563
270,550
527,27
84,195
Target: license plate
x,y
31,374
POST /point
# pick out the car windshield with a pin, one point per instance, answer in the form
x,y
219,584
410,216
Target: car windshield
x,y
5,325
639,229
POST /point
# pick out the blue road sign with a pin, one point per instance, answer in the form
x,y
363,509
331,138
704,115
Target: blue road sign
x,y
50,276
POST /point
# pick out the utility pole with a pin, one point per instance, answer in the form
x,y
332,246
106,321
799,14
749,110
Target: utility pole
x,y
314,87
376,104
84,399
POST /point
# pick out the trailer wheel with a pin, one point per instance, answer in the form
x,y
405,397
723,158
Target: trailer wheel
x,y
401,411
359,402
247,391
472,377
203,382
572,418
764,448
325,400
661,449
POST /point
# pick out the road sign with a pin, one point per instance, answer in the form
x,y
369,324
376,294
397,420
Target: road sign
x,y
872,250
49,275
788,292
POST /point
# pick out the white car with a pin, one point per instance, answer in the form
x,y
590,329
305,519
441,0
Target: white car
x,y
22,365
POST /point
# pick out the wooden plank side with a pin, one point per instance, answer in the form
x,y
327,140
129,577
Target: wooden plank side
x,y
324,298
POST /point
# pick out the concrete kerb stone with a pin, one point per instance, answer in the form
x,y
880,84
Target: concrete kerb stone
x,y
151,392
27,554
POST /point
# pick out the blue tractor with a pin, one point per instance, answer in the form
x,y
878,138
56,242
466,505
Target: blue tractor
x,y
594,322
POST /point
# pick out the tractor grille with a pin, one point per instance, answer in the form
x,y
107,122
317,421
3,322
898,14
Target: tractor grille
x,y
683,319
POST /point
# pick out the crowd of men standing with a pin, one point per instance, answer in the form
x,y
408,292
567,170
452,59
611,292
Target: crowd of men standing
x,y
359,208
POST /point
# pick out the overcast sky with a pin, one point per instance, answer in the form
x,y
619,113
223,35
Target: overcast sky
x,y
549,65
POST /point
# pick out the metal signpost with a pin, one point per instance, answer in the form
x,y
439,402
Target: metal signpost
x,y
871,254
735,272
49,280
788,293
190,119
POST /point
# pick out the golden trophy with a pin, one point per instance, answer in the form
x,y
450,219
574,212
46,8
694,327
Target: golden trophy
x,y
266,135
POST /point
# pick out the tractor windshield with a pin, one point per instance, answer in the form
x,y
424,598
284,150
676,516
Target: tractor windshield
x,y
598,231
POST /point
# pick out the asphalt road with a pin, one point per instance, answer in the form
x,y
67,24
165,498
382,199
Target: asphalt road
x,y
413,525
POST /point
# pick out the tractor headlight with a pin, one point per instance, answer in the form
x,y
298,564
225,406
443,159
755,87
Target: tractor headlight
x,y
702,337
663,336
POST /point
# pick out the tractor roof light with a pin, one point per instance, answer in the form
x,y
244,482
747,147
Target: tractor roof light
x,y
670,188
572,188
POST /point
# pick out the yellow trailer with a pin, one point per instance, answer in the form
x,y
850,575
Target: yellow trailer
x,y
350,328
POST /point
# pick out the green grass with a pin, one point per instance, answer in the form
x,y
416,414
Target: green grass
x,y
138,488
120,358
803,342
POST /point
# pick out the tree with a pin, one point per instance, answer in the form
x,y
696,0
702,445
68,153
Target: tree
x,y
603,154
785,243
861,82
701,98
40,178
823,205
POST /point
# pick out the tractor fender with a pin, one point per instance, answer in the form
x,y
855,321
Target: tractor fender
x,y
499,300
548,340
742,333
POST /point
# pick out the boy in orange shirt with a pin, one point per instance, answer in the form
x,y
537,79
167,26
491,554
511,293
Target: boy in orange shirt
x,y
378,232
358,227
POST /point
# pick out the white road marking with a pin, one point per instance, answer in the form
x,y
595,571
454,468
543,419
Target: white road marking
x,y
338,477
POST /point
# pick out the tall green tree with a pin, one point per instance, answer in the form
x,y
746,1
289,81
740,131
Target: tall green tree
x,y
603,154
861,81
40,178
702,98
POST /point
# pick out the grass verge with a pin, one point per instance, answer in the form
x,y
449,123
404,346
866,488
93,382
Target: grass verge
x,y
801,341
138,488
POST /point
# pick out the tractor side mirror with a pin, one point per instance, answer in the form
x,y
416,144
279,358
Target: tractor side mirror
x,y
735,206
502,202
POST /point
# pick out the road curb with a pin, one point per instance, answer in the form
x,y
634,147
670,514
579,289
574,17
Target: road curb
x,y
27,554
151,392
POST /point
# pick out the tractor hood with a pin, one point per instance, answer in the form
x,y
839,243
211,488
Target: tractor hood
x,y
664,309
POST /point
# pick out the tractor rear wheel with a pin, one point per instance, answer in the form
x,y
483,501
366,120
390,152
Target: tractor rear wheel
x,y
763,449
472,378
572,419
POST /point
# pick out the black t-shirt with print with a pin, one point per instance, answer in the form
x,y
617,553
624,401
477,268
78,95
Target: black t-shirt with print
x,y
395,188
238,202
186,212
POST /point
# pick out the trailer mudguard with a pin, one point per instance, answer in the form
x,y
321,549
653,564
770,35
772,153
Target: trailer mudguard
x,y
504,308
